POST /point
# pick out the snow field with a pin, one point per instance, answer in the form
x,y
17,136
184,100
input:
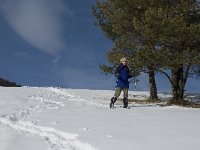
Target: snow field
x,y
57,139
75,119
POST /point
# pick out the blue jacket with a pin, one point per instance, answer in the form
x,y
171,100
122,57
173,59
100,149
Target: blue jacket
x,y
123,74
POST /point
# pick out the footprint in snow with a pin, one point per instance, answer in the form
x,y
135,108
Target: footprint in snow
x,y
55,122
1,128
3,116
109,136
86,129
36,122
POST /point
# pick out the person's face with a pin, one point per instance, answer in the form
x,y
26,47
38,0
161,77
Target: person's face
x,y
124,62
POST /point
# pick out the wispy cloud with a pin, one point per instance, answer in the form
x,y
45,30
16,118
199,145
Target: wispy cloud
x,y
23,55
56,60
39,22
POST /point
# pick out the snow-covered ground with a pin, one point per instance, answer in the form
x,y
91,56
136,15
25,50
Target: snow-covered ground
x,y
67,119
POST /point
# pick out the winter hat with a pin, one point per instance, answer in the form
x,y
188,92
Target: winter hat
x,y
123,59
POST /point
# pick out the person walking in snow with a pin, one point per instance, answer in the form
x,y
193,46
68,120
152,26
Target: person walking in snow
x,y
122,84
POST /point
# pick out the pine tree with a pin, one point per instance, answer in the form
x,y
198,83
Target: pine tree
x,y
115,18
7,83
156,35
178,40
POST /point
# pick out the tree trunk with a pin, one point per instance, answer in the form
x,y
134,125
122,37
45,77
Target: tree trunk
x,y
181,84
178,81
178,85
152,84
175,85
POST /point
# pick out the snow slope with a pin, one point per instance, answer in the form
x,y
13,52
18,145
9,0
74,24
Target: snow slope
x,y
66,119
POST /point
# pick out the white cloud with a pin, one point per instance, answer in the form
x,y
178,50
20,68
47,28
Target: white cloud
x,y
39,22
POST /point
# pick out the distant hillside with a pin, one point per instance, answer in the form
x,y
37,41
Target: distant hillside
x,y
7,83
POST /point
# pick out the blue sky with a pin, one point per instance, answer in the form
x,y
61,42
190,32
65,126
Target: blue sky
x,y
55,43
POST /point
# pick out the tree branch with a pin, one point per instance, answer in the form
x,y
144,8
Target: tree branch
x,y
166,76
185,77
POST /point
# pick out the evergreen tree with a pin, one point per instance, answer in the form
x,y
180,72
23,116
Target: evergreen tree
x,y
7,83
156,35
115,17
178,40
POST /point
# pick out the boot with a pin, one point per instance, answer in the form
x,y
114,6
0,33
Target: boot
x,y
125,100
112,102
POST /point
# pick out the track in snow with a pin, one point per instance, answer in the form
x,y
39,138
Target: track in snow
x,y
72,97
58,140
